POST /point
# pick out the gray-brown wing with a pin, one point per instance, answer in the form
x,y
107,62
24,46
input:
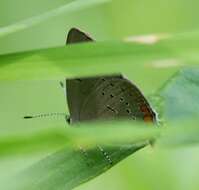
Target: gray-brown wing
x,y
106,97
78,91
77,36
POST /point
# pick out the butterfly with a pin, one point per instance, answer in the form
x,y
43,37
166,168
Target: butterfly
x,y
104,97
107,97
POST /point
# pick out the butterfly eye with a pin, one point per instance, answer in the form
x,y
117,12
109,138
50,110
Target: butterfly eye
x,y
103,93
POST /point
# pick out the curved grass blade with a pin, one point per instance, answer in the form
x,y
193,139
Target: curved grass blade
x,y
68,168
161,60
29,22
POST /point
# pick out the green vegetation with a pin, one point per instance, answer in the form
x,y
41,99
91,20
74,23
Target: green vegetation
x,y
45,153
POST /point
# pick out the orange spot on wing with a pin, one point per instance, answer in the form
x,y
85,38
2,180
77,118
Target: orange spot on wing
x,y
144,109
148,118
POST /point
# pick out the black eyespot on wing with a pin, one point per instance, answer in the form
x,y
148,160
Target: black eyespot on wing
x,y
128,111
121,99
127,103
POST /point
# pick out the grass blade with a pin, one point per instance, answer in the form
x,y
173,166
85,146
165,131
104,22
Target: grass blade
x,y
29,22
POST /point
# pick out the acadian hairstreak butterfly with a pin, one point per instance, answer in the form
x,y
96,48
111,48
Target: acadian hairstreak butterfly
x,y
103,97
106,97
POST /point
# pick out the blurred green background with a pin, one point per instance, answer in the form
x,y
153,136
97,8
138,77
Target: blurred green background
x,y
112,20
150,168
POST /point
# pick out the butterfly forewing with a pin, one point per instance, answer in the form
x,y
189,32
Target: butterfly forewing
x,y
77,36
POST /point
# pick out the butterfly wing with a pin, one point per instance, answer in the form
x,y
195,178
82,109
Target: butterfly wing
x,y
106,97
77,36
103,97
78,90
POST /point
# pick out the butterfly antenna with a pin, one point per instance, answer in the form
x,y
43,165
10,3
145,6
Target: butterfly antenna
x,y
46,115
67,117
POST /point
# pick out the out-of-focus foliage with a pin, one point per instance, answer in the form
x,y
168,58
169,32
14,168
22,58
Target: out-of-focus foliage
x,y
43,153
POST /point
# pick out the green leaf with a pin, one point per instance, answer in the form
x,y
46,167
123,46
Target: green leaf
x,y
134,60
29,22
68,168
181,95
33,79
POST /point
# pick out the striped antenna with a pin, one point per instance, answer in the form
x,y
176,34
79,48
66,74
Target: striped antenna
x,y
48,115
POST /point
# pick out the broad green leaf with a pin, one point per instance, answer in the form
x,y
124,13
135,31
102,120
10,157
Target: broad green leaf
x,y
181,95
46,135
180,134
74,165
68,168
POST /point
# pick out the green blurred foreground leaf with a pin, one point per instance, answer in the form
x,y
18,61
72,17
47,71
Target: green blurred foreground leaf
x,y
77,164
69,167
157,62
71,6
181,95
79,158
